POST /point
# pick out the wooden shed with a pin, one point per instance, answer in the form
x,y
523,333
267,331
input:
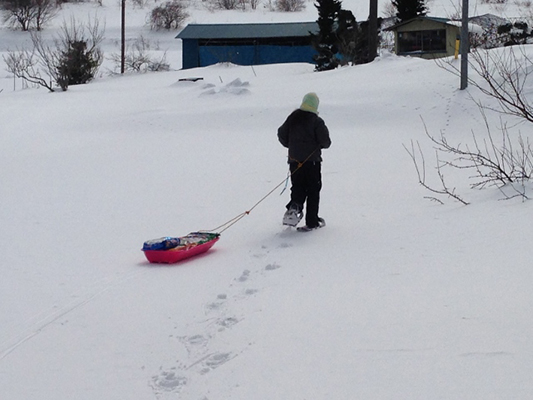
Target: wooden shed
x,y
426,37
247,44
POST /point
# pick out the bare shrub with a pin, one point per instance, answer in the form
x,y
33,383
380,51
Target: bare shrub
x,y
505,76
138,3
24,64
289,5
226,4
28,14
169,15
502,162
138,58
73,58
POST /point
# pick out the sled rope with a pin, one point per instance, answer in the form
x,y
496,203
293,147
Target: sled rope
x,y
237,218
286,182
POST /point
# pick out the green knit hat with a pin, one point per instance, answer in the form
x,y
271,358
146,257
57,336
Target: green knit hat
x,y
310,103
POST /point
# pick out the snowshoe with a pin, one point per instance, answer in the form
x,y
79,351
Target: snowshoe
x,y
305,228
292,217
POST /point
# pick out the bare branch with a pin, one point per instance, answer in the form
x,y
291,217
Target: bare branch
x,y
421,173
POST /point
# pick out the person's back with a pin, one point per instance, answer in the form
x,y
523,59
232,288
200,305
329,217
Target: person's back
x,y
304,133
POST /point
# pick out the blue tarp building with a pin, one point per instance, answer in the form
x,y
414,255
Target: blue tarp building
x,y
247,44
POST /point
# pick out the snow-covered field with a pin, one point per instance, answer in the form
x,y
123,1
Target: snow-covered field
x,y
397,298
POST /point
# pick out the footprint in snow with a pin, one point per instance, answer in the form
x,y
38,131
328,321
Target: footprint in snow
x,y
195,344
272,267
227,322
245,275
214,361
168,381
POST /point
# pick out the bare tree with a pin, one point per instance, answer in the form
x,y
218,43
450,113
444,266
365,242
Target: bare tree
x,y
227,4
289,5
73,58
254,4
419,161
507,161
28,14
169,15
18,13
24,64
45,11
138,58
505,76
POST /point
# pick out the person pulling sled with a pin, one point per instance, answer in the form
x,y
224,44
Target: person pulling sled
x,y
305,134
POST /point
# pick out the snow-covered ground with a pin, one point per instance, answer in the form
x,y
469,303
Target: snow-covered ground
x,y
397,298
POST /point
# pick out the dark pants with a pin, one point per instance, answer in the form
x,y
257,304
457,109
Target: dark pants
x,y
306,185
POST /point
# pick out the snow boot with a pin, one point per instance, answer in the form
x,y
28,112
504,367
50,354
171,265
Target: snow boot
x,y
292,217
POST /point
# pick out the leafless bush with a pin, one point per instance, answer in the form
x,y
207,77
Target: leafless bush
x,y
289,5
488,38
28,14
138,3
419,161
24,64
169,15
505,77
213,5
47,65
138,58
507,161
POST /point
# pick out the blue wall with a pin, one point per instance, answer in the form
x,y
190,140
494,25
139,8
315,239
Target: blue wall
x,y
201,56
190,58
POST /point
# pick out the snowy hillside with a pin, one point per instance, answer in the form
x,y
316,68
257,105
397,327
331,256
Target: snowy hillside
x,y
397,298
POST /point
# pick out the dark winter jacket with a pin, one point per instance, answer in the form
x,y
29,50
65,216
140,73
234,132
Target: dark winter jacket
x,y
304,133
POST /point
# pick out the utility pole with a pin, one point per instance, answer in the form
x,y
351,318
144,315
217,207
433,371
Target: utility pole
x,y
465,46
123,37
373,30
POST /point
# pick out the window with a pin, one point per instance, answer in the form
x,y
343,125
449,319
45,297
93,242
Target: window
x,y
422,41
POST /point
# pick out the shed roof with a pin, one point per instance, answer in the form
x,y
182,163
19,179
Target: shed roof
x,y
245,31
434,19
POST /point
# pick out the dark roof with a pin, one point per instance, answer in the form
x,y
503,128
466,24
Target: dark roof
x,y
244,31
435,19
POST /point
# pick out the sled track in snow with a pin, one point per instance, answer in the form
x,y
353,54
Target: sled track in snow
x,y
10,345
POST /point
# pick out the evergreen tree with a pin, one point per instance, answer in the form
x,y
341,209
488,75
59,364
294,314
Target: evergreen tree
x,y
408,9
352,38
78,64
325,42
348,36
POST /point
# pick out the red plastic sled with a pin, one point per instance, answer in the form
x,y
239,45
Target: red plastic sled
x,y
171,250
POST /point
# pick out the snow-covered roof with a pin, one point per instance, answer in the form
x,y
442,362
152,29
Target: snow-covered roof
x,y
435,19
476,24
249,30
488,20
472,27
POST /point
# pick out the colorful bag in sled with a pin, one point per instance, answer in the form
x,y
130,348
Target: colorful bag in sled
x,y
169,250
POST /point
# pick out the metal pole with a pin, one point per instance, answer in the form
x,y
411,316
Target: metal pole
x,y
123,37
373,30
465,46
